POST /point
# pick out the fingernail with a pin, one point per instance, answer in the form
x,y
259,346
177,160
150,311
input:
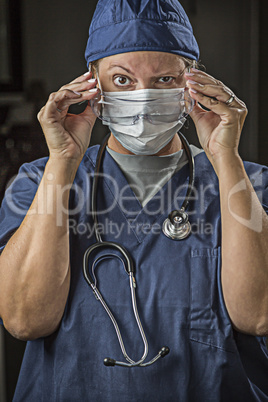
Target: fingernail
x,y
187,73
76,93
87,73
195,69
195,83
92,80
192,82
193,90
93,90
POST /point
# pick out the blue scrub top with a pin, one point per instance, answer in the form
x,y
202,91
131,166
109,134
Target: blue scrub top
x,y
179,297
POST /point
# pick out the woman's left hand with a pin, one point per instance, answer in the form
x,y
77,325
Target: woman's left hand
x,y
218,129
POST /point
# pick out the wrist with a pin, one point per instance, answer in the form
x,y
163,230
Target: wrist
x,y
228,162
61,170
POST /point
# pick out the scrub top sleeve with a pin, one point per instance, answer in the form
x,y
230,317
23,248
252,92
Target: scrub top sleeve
x,y
262,181
258,176
18,199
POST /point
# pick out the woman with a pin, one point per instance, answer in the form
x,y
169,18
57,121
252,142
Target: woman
x,y
204,297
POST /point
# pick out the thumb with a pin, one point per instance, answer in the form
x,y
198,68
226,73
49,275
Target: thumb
x,y
89,115
197,113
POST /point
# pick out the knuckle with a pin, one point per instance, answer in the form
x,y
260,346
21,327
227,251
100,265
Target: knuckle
x,y
40,113
213,101
52,96
239,113
244,107
63,89
236,112
225,92
65,93
244,112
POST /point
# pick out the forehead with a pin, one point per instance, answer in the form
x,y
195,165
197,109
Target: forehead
x,y
147,62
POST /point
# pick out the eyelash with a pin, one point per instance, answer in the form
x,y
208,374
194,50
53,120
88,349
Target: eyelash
x,y
167,82
171,79
121,85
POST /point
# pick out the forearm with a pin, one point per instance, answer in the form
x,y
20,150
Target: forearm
x,y
34,266
244,249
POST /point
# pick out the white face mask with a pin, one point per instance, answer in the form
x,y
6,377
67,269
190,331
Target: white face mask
x,y
156,114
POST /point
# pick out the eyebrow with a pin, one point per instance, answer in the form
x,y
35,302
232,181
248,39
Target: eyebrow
x,y
123,68
168,73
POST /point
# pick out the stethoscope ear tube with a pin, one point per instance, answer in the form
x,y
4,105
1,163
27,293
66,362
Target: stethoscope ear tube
x,y
130,271
164,351
107,244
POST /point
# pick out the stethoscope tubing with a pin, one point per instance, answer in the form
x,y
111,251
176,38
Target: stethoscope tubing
x,y
99,297
129,267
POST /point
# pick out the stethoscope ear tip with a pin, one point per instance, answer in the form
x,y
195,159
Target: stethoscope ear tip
x,y
109,362
164,351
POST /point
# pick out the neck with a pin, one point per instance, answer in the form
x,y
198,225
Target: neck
x,y
173,146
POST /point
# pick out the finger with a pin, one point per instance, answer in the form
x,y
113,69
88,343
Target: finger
x,y
226,113
200,76
87,89
218,91
89,115
81,89
221,93
83,77
85,96
208,85
80,86
51,112
203,76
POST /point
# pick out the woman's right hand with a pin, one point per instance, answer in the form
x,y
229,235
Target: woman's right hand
x,y
68,135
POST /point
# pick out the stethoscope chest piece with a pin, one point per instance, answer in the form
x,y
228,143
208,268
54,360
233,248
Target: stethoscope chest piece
x,y
177,225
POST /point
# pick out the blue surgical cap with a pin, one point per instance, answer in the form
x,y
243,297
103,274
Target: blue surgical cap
x,y
121,26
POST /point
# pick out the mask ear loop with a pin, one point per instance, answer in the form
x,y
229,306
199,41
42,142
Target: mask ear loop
x,y
195,65
100,88
97,76
188,71
89,70
98,79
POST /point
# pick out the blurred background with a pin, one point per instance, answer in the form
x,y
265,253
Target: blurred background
x,y
42,48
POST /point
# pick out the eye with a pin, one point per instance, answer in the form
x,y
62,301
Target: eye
x,y
121,81
166,80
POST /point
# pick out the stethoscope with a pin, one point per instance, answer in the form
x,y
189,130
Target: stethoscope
x,y
176,227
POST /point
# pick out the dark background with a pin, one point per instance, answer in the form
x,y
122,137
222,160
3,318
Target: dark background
x,y
48,51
